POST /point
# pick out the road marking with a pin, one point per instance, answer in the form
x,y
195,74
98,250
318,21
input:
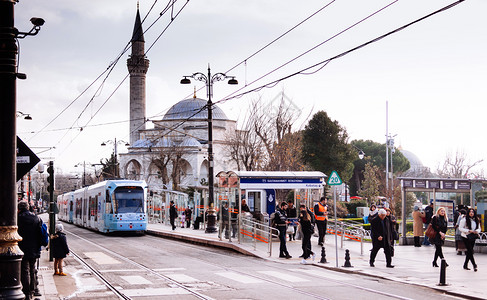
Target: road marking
x,y
182,278
169,269
121,271
156,292
135,279
324,274
239,277
286,277
102,259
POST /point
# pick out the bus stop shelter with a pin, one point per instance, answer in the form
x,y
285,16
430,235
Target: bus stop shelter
x,y
433,186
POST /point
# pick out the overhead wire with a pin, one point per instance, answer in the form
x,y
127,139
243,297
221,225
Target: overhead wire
x,y
325,62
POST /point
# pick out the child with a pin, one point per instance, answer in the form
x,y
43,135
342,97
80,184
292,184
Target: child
x,y
59,248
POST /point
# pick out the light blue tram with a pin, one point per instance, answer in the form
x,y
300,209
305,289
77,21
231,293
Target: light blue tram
x,y
108,206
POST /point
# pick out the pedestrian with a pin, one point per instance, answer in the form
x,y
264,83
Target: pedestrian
x,y
225,221
382,236
188,212
439,222
417,225
281,222
59,248
173,214
292,214
245,207
459,244
29,228
321,217
470,228
307,229
393,226
428,214
372,212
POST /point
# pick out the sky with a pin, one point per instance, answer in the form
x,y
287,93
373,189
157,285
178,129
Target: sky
x,y
432,74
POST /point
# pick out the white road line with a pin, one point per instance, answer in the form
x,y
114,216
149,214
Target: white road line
x,y
156,292
283,276
182,278
102,259
239,277
324,274
169,269
121,271
135,279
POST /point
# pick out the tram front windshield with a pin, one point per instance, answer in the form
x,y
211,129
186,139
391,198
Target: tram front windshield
x,y
129,199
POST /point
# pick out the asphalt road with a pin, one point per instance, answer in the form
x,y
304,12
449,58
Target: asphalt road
x,y
148,267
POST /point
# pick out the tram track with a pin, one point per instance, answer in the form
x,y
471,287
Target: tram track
x,y
213,253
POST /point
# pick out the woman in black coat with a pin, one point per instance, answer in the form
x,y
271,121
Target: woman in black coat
x,y
440,224
307,227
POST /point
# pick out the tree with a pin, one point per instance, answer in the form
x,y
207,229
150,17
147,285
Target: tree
x,y
174,155
110,167
456,167
325,146
371,183
376,154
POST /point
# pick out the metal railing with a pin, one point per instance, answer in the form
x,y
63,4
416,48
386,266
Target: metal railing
x,y
256,231
350,231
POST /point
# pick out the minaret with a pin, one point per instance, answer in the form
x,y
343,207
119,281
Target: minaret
x,y
138,65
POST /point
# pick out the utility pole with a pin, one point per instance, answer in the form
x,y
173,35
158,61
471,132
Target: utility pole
x,y
10,253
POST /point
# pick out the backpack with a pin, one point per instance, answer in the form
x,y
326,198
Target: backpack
x,y
44,235
273,220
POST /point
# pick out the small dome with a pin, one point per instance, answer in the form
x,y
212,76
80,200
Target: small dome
x,y
164,142
414,161
190,142
194,108
144,143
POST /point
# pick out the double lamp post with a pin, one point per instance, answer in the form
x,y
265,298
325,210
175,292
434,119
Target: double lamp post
x,y
209,79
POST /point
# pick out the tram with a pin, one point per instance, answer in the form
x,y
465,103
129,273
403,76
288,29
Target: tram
x,y
108,206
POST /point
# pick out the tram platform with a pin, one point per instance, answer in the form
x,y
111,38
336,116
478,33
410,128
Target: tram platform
x,y
412,265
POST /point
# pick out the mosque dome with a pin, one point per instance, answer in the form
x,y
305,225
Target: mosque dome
x,y
194,108
144,143
190,142
165,142
414,161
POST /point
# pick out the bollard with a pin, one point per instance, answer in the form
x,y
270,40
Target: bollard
x,y
347,259
442,272
323,256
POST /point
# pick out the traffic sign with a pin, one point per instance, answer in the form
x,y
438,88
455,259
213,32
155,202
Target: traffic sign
x,y
334,179
26,159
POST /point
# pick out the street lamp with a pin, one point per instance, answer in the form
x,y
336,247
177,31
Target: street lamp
x,y
115,143
19,114
209,80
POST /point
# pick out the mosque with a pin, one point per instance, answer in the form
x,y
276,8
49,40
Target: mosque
x,y
180,139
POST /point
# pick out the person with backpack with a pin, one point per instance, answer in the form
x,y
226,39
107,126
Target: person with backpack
x,y
60,249
29,228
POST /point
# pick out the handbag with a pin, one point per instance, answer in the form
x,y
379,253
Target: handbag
x,y
430,232
472,236
290,229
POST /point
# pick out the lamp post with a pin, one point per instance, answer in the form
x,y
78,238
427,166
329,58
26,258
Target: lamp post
x,y
115,143
10,253
209,79
361,155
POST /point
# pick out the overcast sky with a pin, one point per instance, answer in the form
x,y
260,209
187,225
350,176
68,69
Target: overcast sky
x,y
432,74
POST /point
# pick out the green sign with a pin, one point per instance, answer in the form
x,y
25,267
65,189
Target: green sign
x,y
334,179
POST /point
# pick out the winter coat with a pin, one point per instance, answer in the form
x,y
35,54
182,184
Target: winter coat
x,y
173,213
30,230
305,221
59,245
439,224
418,223
280,217
378,230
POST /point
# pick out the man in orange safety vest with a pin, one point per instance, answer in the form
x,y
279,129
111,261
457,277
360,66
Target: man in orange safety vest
x,y
321,216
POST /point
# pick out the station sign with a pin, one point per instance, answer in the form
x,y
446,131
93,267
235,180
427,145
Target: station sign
x,y
281,183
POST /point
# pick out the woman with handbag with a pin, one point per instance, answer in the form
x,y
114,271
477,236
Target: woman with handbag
x,y
308,229
470,228
439,222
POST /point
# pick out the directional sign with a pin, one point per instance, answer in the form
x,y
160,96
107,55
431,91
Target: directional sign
x,y
26,159
334,179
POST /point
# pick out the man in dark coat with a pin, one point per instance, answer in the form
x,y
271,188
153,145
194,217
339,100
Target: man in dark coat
x,y
381,237
173,214
428,213
30,230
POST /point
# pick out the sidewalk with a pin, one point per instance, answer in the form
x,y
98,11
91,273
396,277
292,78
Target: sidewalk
x,y
413,265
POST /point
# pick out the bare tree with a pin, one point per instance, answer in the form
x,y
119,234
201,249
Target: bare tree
x,y
456,167
174,155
